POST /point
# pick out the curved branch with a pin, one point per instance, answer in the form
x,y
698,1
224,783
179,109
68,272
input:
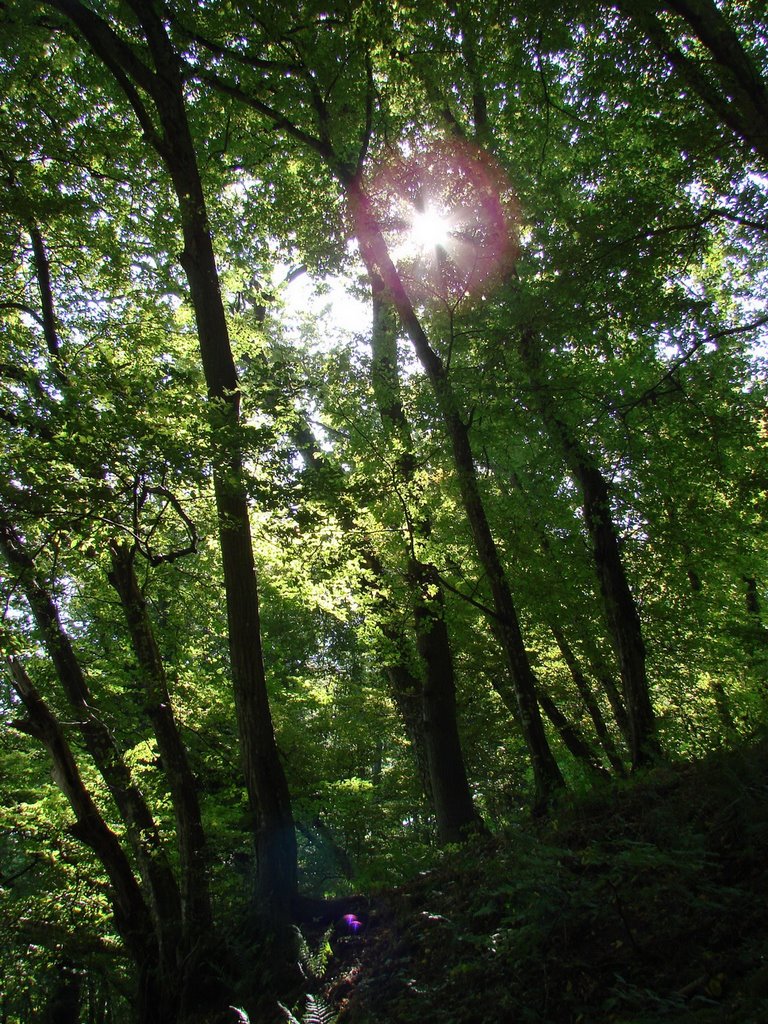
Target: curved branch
x,y
43,274
707,339
131,913
221,50
170,556
280,121
120,59
22,308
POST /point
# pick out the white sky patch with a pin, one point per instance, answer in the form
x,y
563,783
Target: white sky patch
x,y
330,299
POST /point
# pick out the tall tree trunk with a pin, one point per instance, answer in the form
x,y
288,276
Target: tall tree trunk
x,y
132,917
265,781
571,736
455,811
585,692
569,733
141,830
603,674
547,777
569,657
620,610
405,689
731,83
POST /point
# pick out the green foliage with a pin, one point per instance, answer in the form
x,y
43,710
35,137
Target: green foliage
x,y
641,226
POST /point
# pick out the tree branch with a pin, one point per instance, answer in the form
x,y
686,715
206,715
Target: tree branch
x,y
279,120
43,274
119,59
648,394
131,913
24,309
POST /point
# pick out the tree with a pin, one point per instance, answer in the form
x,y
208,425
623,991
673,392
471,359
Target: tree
x,y
171,138
535,480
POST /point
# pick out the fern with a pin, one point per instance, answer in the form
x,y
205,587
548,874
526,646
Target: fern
x,y
288,1015
317,1011
313,964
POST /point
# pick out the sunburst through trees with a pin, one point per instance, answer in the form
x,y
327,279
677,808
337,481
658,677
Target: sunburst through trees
x,y
450,218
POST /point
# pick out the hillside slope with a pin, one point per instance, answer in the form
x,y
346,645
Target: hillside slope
x,y
644,902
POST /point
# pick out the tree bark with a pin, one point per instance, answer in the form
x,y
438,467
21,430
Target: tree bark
x,y
620,610
405,690
568,655
197,918
156,873
455,811
131,914
732,86
569,733
603,674
585,692
43,275
571,736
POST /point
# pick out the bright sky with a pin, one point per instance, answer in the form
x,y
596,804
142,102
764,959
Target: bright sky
x,y
345,312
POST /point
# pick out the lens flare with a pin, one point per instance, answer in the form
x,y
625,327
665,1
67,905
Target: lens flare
x,y
449,218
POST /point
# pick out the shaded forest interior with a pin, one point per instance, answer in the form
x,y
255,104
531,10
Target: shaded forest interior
x,y
383,479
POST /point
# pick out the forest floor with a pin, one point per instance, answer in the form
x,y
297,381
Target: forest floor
x,y
645,901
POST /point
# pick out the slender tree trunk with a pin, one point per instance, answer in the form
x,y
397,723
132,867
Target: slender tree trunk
x,y
585,692
620,610
569,733
568,655
265,781
197,918
455,811
731,83
142,833
264,776
155,1002
547,777
454,808
43,275
571,736
603,674
405,690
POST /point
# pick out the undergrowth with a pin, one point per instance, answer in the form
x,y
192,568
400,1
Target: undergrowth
x,y
641,902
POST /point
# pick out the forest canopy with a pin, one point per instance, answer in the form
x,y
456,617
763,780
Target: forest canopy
x,y
383,391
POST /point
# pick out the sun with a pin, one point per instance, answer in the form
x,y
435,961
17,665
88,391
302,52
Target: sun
x,y
429,229
448,217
